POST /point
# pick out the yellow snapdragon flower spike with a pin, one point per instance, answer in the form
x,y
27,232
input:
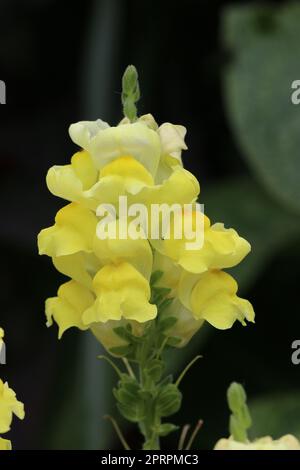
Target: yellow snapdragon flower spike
x,y
9,405
109,278
287,442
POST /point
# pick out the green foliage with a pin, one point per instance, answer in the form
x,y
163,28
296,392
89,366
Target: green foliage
x,y
258,92
129,400
276,414
169,400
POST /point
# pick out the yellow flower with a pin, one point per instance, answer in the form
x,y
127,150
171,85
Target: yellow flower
x,y
5,444
67,308
9,405
122,292
74,231
211,296
123,176
287,442
218,247
73,300
106,144
110,276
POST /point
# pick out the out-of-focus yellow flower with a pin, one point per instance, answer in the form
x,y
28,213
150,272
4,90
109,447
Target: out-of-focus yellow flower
x,y
5,444
9,405
287,442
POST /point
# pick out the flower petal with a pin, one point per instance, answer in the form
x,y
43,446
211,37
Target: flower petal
x,y
74,230
68,307
122,292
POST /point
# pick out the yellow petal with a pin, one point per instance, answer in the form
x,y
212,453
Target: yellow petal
x,y
211,296
9,405
122,292
172,140
5,444
79,266
74,230
68,307
108,144
287,442
115,250
221,248
82,132
70,181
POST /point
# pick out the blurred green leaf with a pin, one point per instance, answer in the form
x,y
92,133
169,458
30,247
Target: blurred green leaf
x,y
242,204
263,42
276,415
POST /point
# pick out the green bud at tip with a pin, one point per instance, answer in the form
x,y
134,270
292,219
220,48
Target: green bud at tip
x,y
236,397
130,92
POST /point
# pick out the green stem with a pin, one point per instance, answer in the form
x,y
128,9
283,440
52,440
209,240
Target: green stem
x,y
150,421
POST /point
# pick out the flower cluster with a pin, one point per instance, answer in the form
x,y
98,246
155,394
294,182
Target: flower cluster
x,y
9,405
109,282
110,278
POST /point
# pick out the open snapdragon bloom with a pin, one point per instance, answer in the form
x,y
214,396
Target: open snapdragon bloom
x,y
287,442
110,278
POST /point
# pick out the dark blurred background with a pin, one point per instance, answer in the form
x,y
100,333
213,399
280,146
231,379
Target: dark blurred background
x,y
222,69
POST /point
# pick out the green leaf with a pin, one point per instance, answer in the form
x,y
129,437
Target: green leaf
x,y
165,429
166,323
276,415
243,204
262,40
155,277
130,402
154,369
121,350
168,400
